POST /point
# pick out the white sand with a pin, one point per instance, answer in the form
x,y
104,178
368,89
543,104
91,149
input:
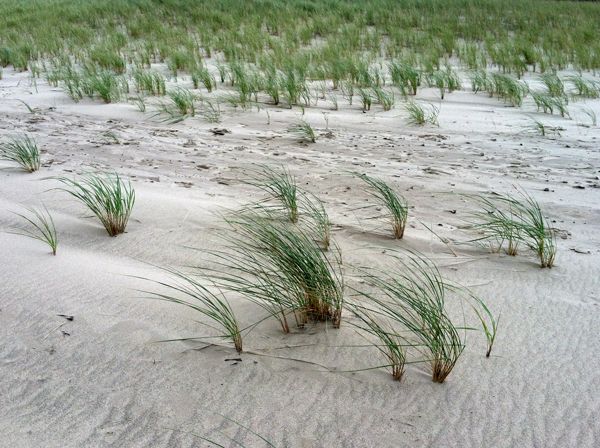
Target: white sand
x,y
107,384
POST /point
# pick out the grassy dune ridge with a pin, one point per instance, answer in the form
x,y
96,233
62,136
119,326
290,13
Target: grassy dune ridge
x,y
318,36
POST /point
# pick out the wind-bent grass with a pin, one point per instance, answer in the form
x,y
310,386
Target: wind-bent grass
x,y
536,231
279,185
150,82
544,129
417,115
412,296
592,116
22,150
498,224
366,99
406,77
279,267
43,228
108,196
384,97
108,86
395,203
505,218
554,85
186,290
489,323
548,103
446,80
585,88
391,343
304,131
319,219
509,89
183,100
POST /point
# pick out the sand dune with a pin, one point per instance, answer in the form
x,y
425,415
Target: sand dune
x,y
102,380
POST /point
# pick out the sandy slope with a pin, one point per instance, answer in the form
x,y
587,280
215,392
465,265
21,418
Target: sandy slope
x,y
107,384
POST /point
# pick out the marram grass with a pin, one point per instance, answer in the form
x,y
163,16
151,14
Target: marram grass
x,y
42,227
108,196
280,186
22,150
412,296
184,289
278,266
395,203
516,221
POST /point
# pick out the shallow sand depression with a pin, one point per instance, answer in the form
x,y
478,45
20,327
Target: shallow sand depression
x,y
103,380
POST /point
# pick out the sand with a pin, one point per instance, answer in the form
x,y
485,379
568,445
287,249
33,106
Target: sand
x,y
103,380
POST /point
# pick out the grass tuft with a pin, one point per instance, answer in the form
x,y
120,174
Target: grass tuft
x,y
516,221
279,185
412,298
186,290
279,267
43,228
22,150
304,131
395,203
417,115
108,196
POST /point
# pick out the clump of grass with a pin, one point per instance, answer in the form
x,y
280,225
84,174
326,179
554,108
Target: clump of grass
x,y
385,98
304,131
549,104
489,323
150,82
418,115
108,196
509,89
412,297
279,267
481,82
43,228
183,100
22,150
585,88
319,219
446,80
497,221
366,99
211,111
203,76
280,185
188,291
391,343
395,203
554,85
544,129
505,218
591,115
108,86
406,77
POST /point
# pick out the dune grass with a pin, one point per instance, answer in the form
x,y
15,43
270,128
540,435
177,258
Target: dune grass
x,y
516,221
396,204
108,196
184,289
279,185
22,150
418,115
278,266
389,340
303,131
42,227
411,296
318,218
